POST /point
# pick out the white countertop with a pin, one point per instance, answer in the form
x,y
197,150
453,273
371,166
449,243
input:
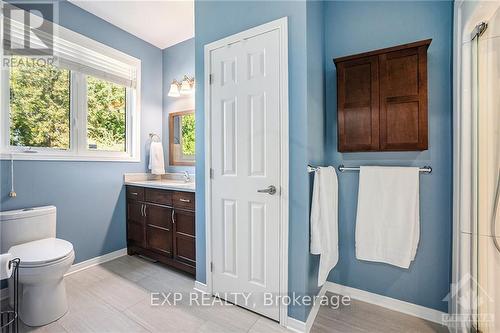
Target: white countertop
x,y
166,182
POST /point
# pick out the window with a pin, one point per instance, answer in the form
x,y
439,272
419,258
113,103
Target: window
x,y
106,115
39,105
82,105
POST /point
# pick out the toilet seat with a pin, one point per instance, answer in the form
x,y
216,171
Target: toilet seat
x,y
43,252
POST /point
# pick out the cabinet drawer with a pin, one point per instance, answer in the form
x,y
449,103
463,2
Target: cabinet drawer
x,y
160,197
135,193
183,200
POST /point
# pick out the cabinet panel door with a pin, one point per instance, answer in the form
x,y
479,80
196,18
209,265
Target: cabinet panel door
x,y
135,223
403,99
159,216
159,239
159,228
184,236
358,104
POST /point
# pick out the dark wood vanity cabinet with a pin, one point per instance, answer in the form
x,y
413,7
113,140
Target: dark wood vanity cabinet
x,y
382,99
161,225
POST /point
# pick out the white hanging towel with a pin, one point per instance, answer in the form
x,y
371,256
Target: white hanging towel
x,y
156,162
388,219
324,221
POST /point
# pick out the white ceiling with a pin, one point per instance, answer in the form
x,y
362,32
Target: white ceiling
x,y
162,23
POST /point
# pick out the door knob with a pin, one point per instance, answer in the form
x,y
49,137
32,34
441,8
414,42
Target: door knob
x,y
271,189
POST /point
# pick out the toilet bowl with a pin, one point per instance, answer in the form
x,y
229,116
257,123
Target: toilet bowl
x,y
42,291
30,235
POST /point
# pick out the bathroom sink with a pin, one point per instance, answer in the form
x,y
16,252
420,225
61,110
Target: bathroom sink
x,y
176,183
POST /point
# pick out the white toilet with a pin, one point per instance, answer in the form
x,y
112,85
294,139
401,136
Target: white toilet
x,y
30,234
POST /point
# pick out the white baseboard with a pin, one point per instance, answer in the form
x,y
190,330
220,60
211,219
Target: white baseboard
x,y
387,302
304,327
96,261
315,309
295,325
201,287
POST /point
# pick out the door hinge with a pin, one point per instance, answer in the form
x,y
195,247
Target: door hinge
x,y
211,78
211,266
211,173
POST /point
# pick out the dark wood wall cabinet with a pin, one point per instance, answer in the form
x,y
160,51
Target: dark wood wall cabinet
x,y
382,99
161,226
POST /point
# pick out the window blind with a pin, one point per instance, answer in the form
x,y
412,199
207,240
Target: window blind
x,y
76,52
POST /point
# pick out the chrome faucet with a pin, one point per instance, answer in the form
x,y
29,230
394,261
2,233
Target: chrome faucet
x,y
187,178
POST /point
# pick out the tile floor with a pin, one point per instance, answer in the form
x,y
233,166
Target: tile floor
x,y
361,317
116,297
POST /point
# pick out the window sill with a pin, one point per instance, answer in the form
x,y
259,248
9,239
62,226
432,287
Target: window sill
x,y
60,157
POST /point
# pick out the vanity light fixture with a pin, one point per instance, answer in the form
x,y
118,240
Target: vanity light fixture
x,y
174,89
185,87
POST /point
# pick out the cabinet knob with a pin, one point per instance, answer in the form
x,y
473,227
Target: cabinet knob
x,y
184,200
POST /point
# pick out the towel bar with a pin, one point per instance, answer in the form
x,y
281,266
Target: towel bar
x,y
342,168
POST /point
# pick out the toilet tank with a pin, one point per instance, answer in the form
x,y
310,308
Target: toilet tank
x,y
26,225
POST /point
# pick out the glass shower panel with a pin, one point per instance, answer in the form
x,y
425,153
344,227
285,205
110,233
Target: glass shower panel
x,y
486,89
475,195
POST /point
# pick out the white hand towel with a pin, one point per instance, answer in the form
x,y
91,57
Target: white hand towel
x,y
324,221
388,220
156,162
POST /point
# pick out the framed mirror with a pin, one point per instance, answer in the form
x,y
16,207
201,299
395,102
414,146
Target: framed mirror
x,y
181,138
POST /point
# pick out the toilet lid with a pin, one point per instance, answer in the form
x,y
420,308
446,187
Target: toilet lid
x,y
41,251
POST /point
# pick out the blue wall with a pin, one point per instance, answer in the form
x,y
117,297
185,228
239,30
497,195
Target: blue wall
x,y
215,20
89,195
315,82
353,27
178,60
315,108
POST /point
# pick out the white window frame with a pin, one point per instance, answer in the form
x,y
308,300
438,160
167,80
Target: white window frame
x,y
78,150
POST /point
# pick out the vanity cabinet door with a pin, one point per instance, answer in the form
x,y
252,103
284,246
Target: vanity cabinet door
x,y
159,229
358,105
184,236
135,223
403,99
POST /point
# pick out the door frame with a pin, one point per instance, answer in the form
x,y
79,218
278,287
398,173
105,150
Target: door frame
x,y
282,26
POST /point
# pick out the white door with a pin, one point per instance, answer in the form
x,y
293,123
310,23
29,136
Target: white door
x,y
245,158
